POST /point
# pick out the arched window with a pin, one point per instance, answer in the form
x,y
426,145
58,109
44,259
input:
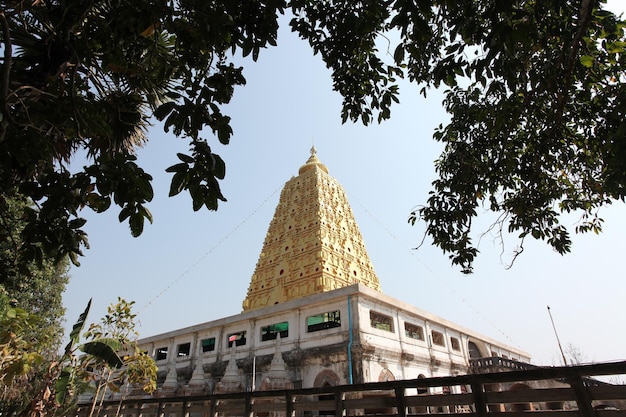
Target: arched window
x,y
326,378
474,352
386,375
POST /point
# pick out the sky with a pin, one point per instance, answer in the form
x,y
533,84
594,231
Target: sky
x,y
191,267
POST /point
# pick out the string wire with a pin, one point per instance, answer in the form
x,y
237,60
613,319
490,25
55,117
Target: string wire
x,y
209,251
433,274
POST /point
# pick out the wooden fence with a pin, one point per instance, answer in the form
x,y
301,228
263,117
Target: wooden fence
x,y
555,391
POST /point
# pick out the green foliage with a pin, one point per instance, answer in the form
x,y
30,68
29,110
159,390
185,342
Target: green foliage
x,y
535,91
23,366
78,76
31,314
537,125
35,288
17,354
65,379
111,357
141,370
108,359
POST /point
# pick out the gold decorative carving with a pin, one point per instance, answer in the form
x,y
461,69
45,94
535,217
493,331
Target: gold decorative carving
x,y
313,243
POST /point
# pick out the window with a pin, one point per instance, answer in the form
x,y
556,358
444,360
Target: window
x,y
474,352
380,321
208,345
161,353
184,349
323,321
270,332
413,331
238,338
454,343
437,338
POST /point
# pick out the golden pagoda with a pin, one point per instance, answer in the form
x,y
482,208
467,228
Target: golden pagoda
x,y
313,243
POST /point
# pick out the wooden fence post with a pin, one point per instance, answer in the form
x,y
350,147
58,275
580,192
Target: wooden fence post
x,y
248,409
185,412
289,405
213,408
583,400
400,402
480,402
339,397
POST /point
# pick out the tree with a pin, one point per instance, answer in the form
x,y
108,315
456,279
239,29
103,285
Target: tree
x,y
536,130
35,288
112,358
18,353
535,91
21,363
109,359
576,356
87,76
31,314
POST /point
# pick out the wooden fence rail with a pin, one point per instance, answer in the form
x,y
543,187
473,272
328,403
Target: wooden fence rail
x,y
558,391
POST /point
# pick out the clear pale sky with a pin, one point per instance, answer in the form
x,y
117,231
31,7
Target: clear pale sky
x,y
191,267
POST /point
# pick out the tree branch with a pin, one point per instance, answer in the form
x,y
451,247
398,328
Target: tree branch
x,y
584,17
583,21
5,75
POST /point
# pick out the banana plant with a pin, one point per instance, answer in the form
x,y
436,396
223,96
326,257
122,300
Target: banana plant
x,y
104,350
101,362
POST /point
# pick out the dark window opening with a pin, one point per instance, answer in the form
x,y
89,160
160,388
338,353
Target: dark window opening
x,y
413,331
161,353
208,345
437,338
239,339
270,332
323,321
455,344
474,352
381,321
184,349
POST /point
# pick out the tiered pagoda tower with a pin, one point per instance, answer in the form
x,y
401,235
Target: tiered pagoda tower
x,y
314,314
313,243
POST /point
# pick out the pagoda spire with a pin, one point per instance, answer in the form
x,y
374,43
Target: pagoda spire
x,y
313,243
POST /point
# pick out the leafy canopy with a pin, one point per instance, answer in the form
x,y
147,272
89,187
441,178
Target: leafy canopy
x,y
535,91
35,288
110,360
87,76
31,313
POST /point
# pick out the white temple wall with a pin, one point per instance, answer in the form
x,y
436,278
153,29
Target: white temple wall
x,y
387,335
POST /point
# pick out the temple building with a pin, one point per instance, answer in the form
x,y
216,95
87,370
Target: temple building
x,y
314,314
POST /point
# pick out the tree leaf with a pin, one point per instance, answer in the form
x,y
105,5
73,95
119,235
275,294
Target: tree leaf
x,y
587,61
77,329
185,158
178,184
164,110
105,349
219,169
136,222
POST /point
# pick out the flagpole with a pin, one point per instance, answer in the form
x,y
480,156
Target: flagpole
x,y
557,337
